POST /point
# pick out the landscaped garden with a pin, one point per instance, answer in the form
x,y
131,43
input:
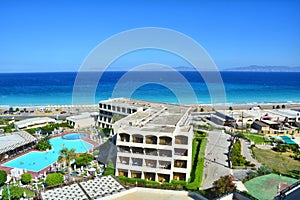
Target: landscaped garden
x,y
255,138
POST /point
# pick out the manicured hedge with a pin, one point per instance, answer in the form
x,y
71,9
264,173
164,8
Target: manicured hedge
x,y
26,178
173,185
238,159
196,182
54,179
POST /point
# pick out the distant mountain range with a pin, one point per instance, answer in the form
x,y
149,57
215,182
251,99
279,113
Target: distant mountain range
x,y
256,68
252,68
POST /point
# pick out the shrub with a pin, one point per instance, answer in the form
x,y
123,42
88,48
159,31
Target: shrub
x,y
84,159
15,193
109,171
3,177
263,170
26,178
106,131
96,152
54,179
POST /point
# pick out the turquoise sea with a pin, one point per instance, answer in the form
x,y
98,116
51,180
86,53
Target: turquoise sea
x,y
29,89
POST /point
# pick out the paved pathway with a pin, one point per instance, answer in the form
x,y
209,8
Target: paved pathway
x,y
246,151
216,164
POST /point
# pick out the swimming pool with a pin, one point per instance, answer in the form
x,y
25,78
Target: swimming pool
x,y
36,161
288,140
74,136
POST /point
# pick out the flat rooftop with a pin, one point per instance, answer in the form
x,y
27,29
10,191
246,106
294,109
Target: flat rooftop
x,y
79,117
155,117
36,120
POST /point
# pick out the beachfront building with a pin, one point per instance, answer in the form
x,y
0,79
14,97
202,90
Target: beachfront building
x,y
33,123
84,120
154,141
112,110
12,144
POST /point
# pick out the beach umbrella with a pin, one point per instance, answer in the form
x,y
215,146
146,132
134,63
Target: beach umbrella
x,y
92,169
8,179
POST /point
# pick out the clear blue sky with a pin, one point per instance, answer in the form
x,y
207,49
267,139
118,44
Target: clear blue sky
x,y
58,35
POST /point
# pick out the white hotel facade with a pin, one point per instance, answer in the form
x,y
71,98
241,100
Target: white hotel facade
x,y
154,140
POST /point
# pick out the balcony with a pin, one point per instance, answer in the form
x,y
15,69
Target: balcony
x,y
150,163
136,174
124,149
124,137
137,138
180,164
179,176
151,152
165,141
137,150
149,176
151,140
123,172
164,164
124,160
180,139
137,162
180,152
163,177
165,153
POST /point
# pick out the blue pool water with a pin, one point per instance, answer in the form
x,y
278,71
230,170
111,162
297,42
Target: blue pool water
x,y
36,161
288,140
74,136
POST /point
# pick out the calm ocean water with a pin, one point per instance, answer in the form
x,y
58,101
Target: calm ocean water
x,y
25,89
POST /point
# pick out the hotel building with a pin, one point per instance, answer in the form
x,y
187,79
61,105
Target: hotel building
x,y
154,140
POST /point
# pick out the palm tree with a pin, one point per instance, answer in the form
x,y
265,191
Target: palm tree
x,y
66,155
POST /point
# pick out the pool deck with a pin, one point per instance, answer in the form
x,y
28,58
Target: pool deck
x,y
47,169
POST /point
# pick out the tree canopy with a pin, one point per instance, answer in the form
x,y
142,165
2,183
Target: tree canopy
x,y
84,159
54,179
26,178
224,185
3,177
66,155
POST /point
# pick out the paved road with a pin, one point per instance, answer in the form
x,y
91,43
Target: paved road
x,y
216,164
246,151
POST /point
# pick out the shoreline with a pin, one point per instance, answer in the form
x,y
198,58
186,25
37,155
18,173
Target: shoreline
x,y
56,109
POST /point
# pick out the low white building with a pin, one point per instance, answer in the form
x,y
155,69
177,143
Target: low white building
x,y
84,120
33,123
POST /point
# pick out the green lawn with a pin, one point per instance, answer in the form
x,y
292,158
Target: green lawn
x,y
265,187
281,162
256,138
